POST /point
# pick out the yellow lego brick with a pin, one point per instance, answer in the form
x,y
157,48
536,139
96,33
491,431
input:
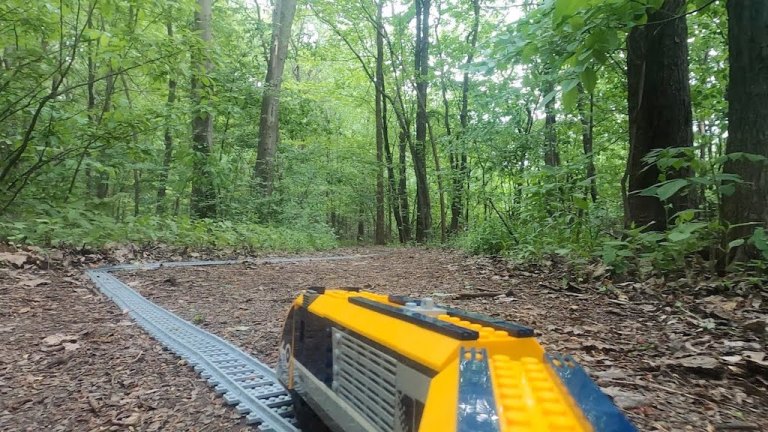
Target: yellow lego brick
x,y
402,337
440,409
530,398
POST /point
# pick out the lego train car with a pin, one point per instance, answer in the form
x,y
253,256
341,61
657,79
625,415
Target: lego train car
x,y
358,361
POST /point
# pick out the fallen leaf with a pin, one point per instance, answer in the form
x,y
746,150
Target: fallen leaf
x,y
31,283
741,344
132,420
598,270
757,326
15,259
70,346
24,310
56,339
719,306
699,365
610,374
625,399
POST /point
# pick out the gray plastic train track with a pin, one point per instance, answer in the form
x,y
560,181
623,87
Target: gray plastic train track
x,y
248,384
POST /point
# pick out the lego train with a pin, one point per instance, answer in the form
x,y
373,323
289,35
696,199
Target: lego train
x,y
359,361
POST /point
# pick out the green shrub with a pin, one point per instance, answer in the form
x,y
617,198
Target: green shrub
x,y
79,227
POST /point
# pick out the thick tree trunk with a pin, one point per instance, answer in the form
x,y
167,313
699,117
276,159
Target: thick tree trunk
x,y
282,19
418,149
203,200
747,118
167,139
380,235
659,103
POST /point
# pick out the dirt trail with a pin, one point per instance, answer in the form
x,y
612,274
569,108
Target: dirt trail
x,y
642,351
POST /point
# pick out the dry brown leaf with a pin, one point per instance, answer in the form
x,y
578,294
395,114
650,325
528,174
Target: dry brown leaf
x,y
31,283
758,326
70,346
15,259
700,365
625,399
56,339
720,306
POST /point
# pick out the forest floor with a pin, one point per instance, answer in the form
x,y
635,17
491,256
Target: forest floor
x,y
72,361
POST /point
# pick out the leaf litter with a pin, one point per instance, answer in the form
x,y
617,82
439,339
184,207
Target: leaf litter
x,y
649,346
672,361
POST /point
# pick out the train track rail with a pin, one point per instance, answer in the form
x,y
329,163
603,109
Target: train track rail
x,y
243,381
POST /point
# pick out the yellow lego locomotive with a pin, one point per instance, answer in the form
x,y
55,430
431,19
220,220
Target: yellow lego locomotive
x,y
358,361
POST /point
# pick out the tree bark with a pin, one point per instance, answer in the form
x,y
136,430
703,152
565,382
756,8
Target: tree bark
x,y
586,116
167,139
203,200
402,184
551,152
440,190
659,103
418,153
379,227
264,170
747,119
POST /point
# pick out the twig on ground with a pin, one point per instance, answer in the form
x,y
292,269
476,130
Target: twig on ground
x,y
468,295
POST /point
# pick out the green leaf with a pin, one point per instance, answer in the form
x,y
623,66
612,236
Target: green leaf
x,y
566,8
670,188
760,240
589,79
581,203
570,98
735,243
677,236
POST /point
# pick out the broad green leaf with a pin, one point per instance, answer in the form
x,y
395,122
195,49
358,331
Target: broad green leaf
x,y
670,188
735,243
580,202
589,79
566,8
570,98
677,236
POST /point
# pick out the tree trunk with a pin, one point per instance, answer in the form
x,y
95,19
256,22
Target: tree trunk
x,y
136,192
440,190
551,152
282,19
203,200
659,103
459,159
586,116
747,119
379,227
402,185
361,224
167,138
418,153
